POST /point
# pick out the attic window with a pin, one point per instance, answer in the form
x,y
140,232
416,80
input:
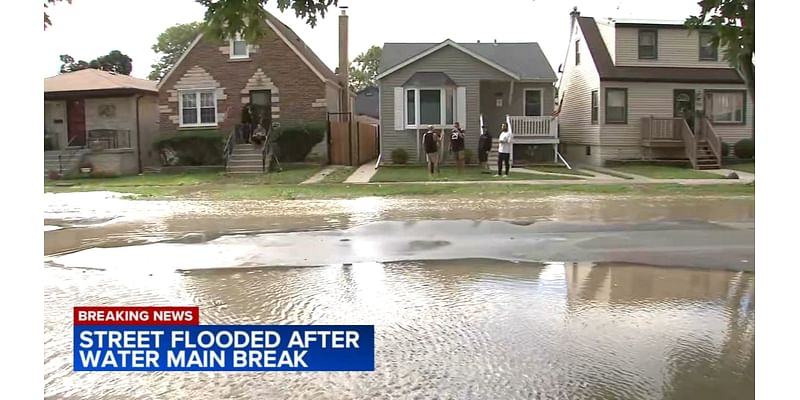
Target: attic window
x,y
239,48
648,44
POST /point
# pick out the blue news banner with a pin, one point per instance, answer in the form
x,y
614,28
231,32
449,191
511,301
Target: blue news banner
x,y
224,348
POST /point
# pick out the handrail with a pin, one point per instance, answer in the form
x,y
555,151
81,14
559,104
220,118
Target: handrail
x,y
538,126
60,155
264,150
714,141
690,142
228,149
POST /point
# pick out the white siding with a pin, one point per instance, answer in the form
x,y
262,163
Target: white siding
x,y
676,48
578,82
648,98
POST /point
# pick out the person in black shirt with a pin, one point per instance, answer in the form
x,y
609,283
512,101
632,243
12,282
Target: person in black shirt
x,y
484,147
457,146
430,141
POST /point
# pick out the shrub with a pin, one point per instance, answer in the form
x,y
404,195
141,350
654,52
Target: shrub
x,y
399,156
294,142
202,147
745,148
726,149
468,156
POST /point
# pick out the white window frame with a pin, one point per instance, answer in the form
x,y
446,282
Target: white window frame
x,y
197,93
712,92
238,38
525,100
442,105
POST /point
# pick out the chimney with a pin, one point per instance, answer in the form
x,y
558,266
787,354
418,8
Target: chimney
x,y
344,61
573,16
495,42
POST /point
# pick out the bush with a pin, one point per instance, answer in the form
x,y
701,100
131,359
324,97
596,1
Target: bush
x,y
202,147
399,156
294,142
726,149
468,156
745,148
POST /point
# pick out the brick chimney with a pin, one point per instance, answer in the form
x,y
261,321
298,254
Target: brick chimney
x,y
344,62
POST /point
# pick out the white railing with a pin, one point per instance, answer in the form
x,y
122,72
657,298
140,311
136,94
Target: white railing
x,y
544,127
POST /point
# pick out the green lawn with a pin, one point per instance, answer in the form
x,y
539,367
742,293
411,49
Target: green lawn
x,y
615,174
749,167
560,170
420,174
666,172
339,175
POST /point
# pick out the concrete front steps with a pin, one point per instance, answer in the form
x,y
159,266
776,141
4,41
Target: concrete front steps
x,y
245,159
70,160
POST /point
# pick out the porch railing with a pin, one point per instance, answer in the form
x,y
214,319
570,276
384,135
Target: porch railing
x,y
689,141
714,141
110,138
543,127
661,128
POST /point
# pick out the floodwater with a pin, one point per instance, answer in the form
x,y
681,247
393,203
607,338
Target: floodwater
x,y
568,297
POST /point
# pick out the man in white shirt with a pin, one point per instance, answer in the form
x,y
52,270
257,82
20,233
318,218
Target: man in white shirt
x,y
505,144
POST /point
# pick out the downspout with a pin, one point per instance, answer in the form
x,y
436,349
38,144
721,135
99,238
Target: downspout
x,y
138,138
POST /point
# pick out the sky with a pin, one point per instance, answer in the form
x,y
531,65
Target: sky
x,y
87,29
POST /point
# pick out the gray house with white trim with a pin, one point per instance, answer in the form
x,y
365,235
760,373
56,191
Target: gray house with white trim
x,y
476,84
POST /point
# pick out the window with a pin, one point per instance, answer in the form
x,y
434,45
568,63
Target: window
x,y
533,103
198,108
648,44
708,52
411,107
616,106
577,52
594,106
239,48
726,107
435,106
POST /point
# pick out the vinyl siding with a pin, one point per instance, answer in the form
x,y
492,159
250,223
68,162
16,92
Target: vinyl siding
x,y
575,118
463,69
676,48
494,116
648,98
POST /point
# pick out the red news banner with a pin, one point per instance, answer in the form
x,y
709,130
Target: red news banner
x,y
136,315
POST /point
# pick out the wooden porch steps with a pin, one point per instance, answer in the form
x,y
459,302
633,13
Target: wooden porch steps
x,y
705,157
245,159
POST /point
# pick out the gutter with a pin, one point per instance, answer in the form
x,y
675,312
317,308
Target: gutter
x,y
138,138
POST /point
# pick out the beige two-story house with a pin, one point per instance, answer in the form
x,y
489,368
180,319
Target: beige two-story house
x,y
646,89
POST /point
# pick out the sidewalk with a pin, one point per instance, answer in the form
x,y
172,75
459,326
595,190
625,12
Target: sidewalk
x,y
363,174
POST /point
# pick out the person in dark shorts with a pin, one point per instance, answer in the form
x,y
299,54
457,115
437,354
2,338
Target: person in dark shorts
x,y
484,147
430,141
506,141
457,146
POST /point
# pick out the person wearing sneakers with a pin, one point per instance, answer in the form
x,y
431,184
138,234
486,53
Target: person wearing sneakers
x,y
505,143
430,141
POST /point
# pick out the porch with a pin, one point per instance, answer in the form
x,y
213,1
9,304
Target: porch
x,y
673,135
531,131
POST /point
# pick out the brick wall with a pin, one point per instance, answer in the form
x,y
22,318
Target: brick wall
x,y
296,90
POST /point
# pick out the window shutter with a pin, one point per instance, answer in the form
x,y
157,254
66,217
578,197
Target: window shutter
x,y
399,99
461,105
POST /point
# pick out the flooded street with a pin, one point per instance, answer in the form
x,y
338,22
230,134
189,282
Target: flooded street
x,y
561,297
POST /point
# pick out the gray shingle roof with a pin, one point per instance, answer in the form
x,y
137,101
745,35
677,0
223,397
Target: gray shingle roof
x,y
525,59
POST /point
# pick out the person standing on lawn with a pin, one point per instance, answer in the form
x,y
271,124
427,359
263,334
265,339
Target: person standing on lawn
x,y
457,146
430,141
484,147
506,141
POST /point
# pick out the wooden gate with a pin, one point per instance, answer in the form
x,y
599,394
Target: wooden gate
x,y
366,142
339,139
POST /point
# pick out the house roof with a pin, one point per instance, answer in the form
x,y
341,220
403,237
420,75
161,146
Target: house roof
x,y
610,72
91,79
367,102
291,39
521,60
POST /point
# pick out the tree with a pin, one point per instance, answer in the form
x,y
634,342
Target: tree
x,y
734,26
226,18
114,61
365,68
171,44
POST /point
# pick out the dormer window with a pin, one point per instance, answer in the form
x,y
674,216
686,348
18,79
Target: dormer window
x,y
648,44
708,52
239,48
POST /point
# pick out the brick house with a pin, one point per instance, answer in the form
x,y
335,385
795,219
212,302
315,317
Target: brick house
x,y
280,76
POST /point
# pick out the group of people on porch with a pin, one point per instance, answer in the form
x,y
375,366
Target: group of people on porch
x,y
433,141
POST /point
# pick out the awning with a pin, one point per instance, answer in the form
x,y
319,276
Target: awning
x,y
429,79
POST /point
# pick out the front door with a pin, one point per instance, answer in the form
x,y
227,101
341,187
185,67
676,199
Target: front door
x,y
76,123
261,101
683,105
